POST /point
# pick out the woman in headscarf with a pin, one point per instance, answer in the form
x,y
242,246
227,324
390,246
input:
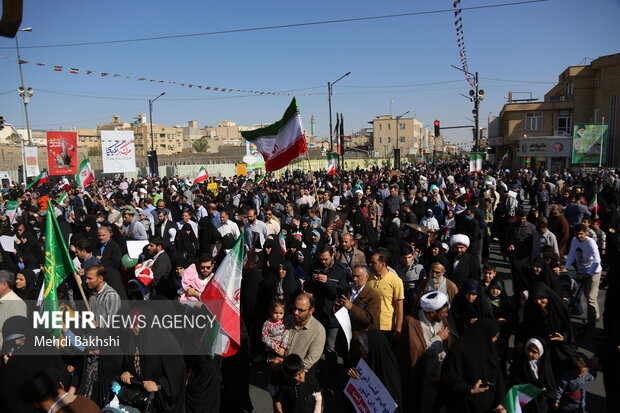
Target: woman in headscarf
x,y
504,314
155,359
533,367
287,285
546,315
470,305
391,239
376,350
185,248
431,254
361,226
25,285
525,276
471,376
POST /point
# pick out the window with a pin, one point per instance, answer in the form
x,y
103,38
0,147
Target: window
x,y
380,126
533,121
402,139
380,139
564,118
570,88
401,126
389,126
389,139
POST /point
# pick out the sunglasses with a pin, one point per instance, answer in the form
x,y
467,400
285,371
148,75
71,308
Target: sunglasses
x,y
206,267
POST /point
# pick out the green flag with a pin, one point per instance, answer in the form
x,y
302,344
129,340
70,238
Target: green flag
x,y
58,263
518,396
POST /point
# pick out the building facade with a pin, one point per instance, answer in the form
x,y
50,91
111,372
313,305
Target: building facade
x,y
585,94
406,134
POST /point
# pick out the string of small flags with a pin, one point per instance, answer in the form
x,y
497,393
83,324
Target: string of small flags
x,y
460,40
77,71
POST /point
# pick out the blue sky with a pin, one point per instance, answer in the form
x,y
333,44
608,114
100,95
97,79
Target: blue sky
x,y
532,43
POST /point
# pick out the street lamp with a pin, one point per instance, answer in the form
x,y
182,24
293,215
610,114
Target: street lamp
x,y
397,149
475,95
23,93
151,117
329,99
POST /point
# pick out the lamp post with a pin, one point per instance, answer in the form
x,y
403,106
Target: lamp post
x,y
25,94
329,100
152,154
397,150
151,117
476,96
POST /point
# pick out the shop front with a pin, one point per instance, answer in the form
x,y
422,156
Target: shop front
x,y
548,152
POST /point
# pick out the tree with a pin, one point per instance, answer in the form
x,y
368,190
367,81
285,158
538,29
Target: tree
x,y
200,145
94,151
13,138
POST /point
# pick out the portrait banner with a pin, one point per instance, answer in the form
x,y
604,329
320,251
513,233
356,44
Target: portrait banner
x,y
32,161
62,153
590,144
118,151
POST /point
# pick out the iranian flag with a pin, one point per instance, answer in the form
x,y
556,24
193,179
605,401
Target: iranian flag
x,y
11,210
260,180
202,176
593,204
518,396
41,179
501,162
282,242
221,297
282,141
85,174
332,163
62,197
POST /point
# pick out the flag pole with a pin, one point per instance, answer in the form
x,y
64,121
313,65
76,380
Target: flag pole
x,y
600,156
316,194
78,280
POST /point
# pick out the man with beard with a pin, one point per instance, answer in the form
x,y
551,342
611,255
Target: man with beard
x,y
165,229
255,230
306,335
422,348
464,266
437,282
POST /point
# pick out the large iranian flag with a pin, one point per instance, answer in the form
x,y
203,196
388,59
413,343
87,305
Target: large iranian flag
x,y
85,174
281,142
221,297
518,396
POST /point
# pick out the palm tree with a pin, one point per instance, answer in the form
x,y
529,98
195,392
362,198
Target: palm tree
x,y
200,145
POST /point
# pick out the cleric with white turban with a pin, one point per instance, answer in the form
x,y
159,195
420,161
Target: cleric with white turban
x,y
433,301
459,239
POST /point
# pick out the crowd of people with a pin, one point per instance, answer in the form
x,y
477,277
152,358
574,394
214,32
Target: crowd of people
x,y
405,252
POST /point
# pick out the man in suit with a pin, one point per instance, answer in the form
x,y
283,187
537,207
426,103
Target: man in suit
x,y
165,229
163,283
364,303
108,252
463,266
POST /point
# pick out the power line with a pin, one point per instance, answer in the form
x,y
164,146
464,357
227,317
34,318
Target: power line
x,y
280,26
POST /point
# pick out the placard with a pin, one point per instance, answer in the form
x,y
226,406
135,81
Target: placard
x,y
118,151
32,161
368,394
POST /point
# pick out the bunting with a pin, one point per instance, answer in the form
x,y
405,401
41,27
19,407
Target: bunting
x,y
77,71
460,40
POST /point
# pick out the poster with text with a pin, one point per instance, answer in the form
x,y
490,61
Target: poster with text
x,y
118,151
367,393
590,144
62,153
32,161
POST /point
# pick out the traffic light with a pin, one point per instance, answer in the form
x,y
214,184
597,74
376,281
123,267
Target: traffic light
x,y
1,122
437,127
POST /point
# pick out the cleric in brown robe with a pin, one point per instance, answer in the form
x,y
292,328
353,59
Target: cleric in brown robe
x,y
424,341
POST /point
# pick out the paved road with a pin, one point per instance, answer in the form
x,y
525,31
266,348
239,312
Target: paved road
x,y
587,343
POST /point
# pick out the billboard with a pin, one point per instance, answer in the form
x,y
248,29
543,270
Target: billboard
x,y
117,151
589,144
32,161
62,153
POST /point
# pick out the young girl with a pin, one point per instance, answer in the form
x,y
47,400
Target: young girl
x,y
533,367
274,335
